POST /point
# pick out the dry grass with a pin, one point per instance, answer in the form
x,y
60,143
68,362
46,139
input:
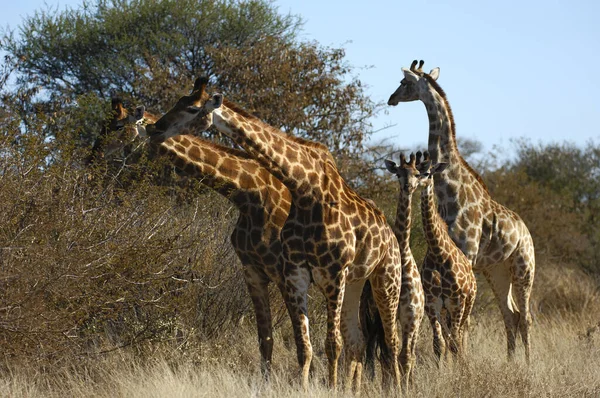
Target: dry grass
x,y
566,363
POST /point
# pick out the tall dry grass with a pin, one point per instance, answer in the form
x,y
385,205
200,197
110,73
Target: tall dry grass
x,y
565,363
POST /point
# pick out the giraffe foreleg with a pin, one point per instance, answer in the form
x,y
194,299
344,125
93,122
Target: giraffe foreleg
x,y
411,315
386,291
410,332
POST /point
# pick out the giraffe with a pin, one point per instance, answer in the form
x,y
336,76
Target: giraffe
x,y
117,140
263,203
494,238
448,278
332,234
412,298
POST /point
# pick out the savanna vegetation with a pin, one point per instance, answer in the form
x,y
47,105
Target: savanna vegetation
x,y
116,283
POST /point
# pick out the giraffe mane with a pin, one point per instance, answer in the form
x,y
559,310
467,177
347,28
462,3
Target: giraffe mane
x,y
302,141
463,162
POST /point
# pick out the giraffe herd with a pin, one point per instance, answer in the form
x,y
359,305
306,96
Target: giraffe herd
x,y
300,223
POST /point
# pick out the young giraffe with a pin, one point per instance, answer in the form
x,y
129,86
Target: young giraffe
x,y
332,234
412,298
448,278
262,200
494,238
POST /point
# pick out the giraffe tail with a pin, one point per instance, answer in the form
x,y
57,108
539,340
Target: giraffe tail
x,y
372,329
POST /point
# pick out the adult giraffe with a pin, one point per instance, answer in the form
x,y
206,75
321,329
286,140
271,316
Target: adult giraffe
x,y
121,136
494,238
332,234
263,203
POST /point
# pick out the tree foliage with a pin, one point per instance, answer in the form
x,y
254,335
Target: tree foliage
x,y
556,189
151,50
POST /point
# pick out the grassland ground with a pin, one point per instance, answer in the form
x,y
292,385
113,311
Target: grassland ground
x,y
565,363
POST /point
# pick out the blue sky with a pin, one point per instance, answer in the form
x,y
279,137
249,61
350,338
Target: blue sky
x,y
510,68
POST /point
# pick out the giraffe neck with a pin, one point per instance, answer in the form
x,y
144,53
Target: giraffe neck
x,y
442,147
292,162
403,224
223,169
434,227
442,140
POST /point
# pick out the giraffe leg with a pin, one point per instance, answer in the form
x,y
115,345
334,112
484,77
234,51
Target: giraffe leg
x,y
413,350
257,283
333,289
296,282
466,322
523,273
410,315
386,291
354,344
439,346
405,365
410,330
455,321
500,280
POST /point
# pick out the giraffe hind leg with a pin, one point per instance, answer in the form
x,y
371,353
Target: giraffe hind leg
x,y
354,343
257,283
523,274
334,289
296,282
500,279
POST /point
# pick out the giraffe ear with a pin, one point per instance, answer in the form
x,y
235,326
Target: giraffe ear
x,y
138,114
391,166
200,83
117,107
435,73
410,75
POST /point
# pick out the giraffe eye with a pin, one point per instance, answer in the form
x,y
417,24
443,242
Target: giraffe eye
x,y
193,110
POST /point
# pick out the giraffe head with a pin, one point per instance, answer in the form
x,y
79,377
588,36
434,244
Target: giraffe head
x,y
427,169
124,128
414,173
407,173
192,113
414,82
123,120
142,120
